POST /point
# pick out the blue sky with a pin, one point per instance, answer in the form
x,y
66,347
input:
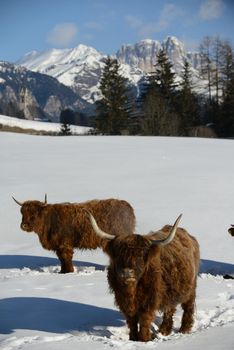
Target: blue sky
x,y
27,25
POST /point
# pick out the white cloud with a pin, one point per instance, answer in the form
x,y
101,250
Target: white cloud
x,y
211,9
62,34
169,13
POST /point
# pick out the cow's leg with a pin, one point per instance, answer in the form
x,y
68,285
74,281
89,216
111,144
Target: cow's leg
x,y
133,327
167,323
65,256
187,319
145,320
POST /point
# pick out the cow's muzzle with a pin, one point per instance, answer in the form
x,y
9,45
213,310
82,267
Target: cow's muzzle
x,y
25,227
127,275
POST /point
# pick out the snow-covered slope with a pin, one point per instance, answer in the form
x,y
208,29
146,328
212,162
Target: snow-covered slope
x,y
161,177
35,94
40,126
81,67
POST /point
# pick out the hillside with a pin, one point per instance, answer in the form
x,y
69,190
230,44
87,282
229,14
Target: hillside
x,y
35,95
37,127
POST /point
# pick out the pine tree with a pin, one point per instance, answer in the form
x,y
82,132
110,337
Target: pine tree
x,y
187,103
227,116
112,108
163,76
160,117
222,113
65,129
66,118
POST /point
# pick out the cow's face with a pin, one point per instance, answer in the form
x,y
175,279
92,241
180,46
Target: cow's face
x,y
31,215
129,257
131,254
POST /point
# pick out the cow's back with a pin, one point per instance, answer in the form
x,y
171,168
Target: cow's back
x,y
67,224
113,215
180,264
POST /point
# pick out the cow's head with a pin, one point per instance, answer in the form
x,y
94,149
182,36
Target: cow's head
x,y
31,214
131,254
231,230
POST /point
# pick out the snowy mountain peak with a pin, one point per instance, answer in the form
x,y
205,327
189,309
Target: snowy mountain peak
x,y
172,44
31,54
140,55
68,65
81,67
173,40
45,61
147,41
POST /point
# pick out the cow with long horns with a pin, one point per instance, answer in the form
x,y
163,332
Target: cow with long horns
x,y
151,273
64,226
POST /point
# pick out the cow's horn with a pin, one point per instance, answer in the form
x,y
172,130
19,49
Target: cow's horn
x,y
45,202
171,235
97,230
17,201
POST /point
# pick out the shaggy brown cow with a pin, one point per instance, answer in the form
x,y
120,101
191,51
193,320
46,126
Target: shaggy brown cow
x,y
231,230
151,273
65,226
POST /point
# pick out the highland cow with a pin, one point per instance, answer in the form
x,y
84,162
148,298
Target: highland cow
x,y
65,226
152,273
231,230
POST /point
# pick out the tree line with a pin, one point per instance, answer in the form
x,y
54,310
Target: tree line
x,y
166,106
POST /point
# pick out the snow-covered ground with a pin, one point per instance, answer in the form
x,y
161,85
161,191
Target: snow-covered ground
x,y
161,178
40,126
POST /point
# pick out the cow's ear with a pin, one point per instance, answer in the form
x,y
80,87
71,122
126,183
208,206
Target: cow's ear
x,y
153,252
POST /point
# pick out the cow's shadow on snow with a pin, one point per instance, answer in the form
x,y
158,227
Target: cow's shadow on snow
x,y
217,268
39,263
56,316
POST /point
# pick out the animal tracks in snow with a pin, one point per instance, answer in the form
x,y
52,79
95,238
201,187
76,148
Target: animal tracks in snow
x,y
19,343
56,309
48,270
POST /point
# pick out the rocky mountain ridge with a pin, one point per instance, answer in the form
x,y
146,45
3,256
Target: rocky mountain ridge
x,y
41,84
32,95
81,67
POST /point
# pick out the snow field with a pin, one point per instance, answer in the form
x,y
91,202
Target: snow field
x,y
40,126
57,310
160,177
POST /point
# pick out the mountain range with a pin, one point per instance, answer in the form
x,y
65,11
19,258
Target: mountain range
x,y
60,78
34,95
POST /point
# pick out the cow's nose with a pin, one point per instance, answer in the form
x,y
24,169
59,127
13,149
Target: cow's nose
x,y
24,226
128,273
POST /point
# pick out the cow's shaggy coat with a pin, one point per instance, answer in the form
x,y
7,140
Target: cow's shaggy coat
x,y
65,226
147,277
